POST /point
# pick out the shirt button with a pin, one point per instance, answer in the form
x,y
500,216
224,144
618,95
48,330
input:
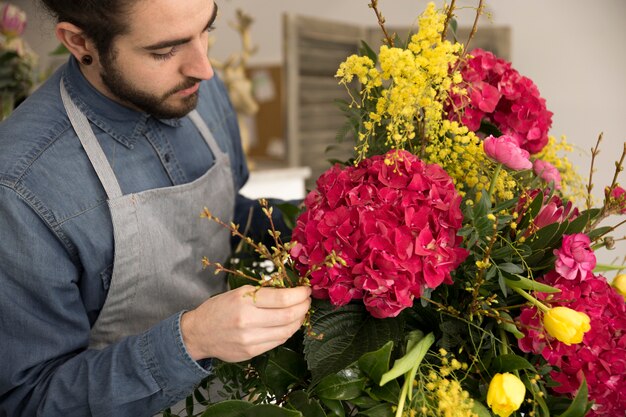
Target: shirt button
x,y
166,157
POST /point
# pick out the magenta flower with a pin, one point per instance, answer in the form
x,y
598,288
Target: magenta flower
x,y
393,221
618,199
498,94
12,20
506,151
601,357
547,172
575,259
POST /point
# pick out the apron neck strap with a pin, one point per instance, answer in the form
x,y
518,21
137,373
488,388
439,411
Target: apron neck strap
x,y
92,147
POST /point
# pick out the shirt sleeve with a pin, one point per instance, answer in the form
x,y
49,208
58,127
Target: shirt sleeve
x,y
46,367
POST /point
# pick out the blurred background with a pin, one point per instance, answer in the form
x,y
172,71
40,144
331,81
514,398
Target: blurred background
x,y
285,53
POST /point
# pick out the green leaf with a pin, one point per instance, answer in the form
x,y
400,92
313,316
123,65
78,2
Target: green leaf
x,y
607,268
528,284
364,402
381,410
509,326
389,393
344,385
479,409
300,401
290,213
489,128
408,361
509,363
511,268
579,223
231,408
376,363
348,332
541,238
532,212
599,232
483,207
335,407
368,51
284,367
580,405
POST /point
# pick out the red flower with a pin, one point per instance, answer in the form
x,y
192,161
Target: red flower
x,y
393,222
499,94
600,358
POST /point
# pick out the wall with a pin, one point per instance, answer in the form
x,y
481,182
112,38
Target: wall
x,y
572,49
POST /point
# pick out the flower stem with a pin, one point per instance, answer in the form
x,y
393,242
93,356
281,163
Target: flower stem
x,y
494,180
541,306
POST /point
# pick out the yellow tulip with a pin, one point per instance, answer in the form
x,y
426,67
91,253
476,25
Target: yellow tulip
x,y
619,283
506,394
566,325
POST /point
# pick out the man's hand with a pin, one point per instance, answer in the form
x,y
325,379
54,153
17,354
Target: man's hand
x,y
240,324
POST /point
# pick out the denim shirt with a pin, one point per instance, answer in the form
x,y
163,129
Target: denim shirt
x,y
56,250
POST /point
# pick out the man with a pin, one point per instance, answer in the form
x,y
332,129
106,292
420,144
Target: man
x,y
104,171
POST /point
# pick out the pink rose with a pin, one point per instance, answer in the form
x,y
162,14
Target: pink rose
x,y
575,259
505,150
12,20
547,172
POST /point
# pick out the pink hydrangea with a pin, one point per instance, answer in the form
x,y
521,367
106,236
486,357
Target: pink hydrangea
x,y
547,172
600,358
497,93
393,221
505,150
575,259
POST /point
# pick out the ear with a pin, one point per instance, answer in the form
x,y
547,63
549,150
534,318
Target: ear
x,y
75,40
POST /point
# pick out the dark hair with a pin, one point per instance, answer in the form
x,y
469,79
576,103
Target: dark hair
x,y
101,20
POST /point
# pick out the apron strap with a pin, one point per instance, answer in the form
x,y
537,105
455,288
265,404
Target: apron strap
x,y
206,133
92,147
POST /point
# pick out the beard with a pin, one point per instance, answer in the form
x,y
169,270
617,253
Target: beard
x,y
154,104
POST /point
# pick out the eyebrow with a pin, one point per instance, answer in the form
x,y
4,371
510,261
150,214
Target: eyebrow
x,y
175,42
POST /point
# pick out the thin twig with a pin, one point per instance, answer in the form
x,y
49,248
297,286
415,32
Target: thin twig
x,y
449,13
619,167
479,11
381,22
594,152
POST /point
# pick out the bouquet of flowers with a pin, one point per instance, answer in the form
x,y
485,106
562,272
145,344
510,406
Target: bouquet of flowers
x,y
452,268
17,60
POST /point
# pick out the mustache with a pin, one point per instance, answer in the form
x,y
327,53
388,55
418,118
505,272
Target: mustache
x,y
188,83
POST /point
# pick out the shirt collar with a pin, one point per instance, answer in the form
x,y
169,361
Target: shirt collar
x,y
124,124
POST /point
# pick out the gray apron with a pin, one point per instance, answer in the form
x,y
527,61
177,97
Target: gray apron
x,y
159,240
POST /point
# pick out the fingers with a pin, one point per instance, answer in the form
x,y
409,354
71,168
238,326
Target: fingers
x,y
245,322
267,297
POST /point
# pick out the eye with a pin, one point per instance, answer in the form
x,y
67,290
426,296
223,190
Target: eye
x,y
164,56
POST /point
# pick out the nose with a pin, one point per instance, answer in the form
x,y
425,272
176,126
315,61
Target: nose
x,y
197,64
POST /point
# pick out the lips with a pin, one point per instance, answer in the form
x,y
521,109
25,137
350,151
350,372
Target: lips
x,y
188,91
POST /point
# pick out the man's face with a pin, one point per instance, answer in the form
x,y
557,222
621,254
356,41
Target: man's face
x,y
156,67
